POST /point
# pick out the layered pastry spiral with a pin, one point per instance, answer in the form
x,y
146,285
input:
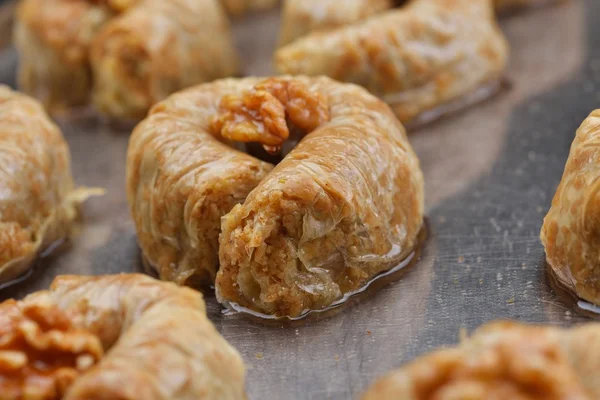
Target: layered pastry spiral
x,y
503,360
38,200
127,54
570,231
419,58
344,205
123,337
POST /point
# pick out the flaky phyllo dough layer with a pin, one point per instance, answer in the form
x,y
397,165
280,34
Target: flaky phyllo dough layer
x,y
503,360
125,54
570,232
38,202
125,337
417,58
344,205
300,17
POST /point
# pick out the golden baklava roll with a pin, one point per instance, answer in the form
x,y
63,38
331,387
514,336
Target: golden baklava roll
x,y
181,179
503,360
569,233
123,337
38,202
238,7
300,17
343,206
418,58
156,48
53,38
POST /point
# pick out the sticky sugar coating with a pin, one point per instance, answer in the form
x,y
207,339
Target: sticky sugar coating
x,y
299,17
124,55
503,360
39,201
123,337
417,58
570,230
344,205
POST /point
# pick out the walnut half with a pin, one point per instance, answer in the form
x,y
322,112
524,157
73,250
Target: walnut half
x,y
41,352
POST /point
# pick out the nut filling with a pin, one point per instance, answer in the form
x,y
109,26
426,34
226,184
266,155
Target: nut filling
x,y
41,351
265,113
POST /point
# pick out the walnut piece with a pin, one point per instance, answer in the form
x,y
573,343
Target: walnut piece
x,y
41,352
262,113
503,360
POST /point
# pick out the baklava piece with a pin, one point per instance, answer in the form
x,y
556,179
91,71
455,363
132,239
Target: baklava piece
x,y
124,55
422,59
344,205
123,337
503,360
39,202
570,233
300,17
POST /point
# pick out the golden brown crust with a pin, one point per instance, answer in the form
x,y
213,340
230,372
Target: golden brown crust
x,y
300,17
570,231
136,65
159,343
130,53
181,180
53,39
344,205
39,202
503,360
416,58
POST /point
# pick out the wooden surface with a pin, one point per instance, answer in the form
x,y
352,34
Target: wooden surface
x,y
490,174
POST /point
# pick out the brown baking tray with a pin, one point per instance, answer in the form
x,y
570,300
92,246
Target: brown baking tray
x,y
490,175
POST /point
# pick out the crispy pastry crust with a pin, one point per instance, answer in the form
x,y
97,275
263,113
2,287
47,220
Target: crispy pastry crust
x,y
181,179
300,17
344,205
136,64
570,232
38,202
416,58
128,53
503,360
53,39
159,343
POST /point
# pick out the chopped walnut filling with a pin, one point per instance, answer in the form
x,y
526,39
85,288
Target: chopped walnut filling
x,y
264,113
41,352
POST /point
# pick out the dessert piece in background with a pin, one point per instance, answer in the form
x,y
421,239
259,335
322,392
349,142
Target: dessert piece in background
x,y
124,55
343,206
503,360
300,17
571,230
422,59
157,48
121,337
39,202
